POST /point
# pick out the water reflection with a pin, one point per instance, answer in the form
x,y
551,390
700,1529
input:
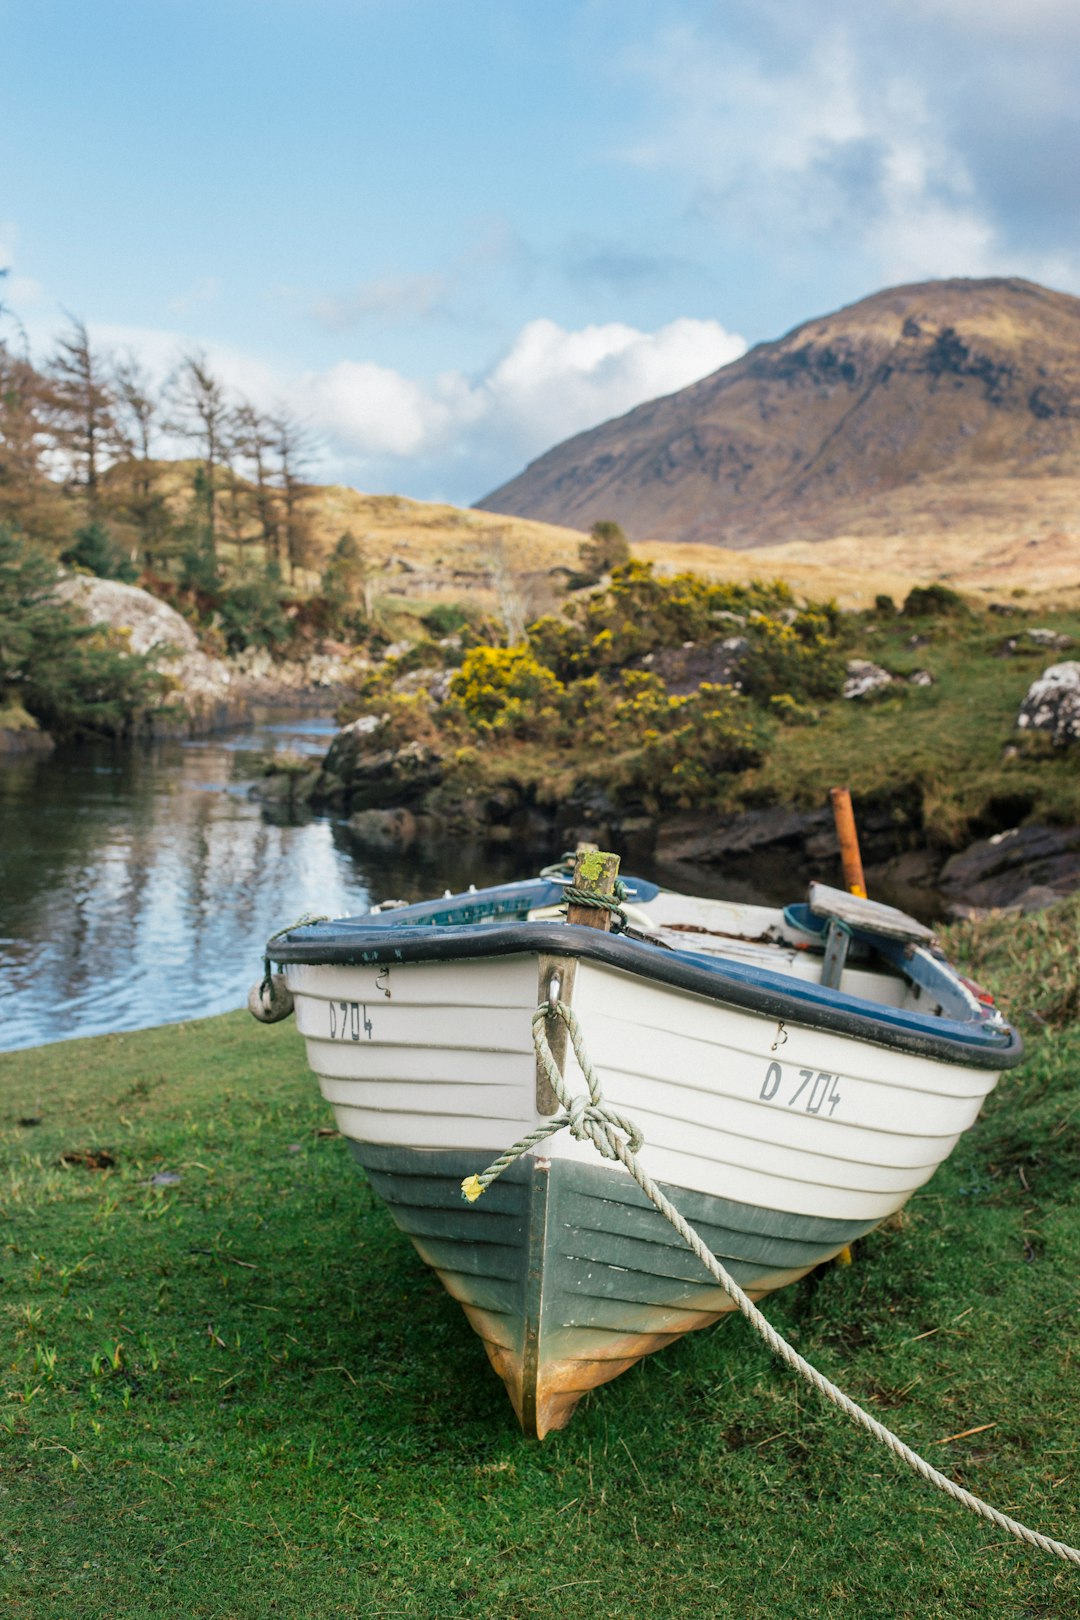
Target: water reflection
x,y
137,885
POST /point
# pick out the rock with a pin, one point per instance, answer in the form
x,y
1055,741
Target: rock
x,y
684,669
705,839
1050,638
1000,871
864,678
209,692
921,677
20,734
354,778
395,828
1053,704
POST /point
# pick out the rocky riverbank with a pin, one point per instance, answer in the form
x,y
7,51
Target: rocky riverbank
x,y
394,797
204,693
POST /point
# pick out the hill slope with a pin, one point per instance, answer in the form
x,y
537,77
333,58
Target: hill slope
x,y
951,405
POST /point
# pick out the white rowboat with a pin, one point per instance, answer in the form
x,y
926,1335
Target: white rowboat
x,y
796,1075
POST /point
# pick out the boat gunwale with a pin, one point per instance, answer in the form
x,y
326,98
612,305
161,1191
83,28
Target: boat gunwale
x,y
744,987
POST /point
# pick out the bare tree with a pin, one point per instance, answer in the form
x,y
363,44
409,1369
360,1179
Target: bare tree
x,y
254,435
200,411
82,405
507,585
138,412
293,446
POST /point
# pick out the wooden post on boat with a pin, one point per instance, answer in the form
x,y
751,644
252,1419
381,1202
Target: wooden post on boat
x,y
844,817
595,871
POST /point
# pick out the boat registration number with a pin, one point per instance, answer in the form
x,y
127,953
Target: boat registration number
x,y
812,1090
348,1020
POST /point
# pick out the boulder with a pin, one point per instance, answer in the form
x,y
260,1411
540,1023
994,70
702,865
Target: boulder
x,y
356,777
863,678
1052,704
1024,868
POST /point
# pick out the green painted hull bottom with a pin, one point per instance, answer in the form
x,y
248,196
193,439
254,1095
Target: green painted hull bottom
x,y
568,1273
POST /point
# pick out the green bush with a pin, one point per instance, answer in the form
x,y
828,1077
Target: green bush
x,y
800,657
73,678
445,619
934,602
96,552
251,615
710,734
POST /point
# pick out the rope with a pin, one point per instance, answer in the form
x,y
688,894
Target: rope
x,y
307,920
615,1137
600,902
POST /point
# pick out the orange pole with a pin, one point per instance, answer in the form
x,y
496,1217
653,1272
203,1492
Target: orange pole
x,y
844,817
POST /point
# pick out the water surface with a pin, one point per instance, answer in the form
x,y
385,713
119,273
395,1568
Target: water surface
x,y
138,883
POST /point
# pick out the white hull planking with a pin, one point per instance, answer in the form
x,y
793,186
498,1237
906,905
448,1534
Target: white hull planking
x,y
440,1055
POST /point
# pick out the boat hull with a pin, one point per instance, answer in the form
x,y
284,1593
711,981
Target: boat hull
x,y
780,1141
567,1272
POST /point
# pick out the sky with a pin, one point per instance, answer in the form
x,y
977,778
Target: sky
x,y
448,234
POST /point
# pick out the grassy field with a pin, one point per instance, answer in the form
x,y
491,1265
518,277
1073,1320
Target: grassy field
x,y
233,1391
951,748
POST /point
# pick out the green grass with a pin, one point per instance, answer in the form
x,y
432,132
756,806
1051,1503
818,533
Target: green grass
x,y
241,1394
948,753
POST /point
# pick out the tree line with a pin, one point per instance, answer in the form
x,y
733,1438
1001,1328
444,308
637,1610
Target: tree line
x,y
82,441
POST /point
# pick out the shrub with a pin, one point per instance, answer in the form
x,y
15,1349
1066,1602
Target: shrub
x,y
606,548
710,734
801,658
251,615
505,689
96,552
73,678
445,619
934,602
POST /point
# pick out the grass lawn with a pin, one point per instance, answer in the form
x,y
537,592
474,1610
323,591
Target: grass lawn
x,y
238,1393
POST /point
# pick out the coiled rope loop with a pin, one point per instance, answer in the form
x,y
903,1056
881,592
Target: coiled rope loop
x,y
616,1137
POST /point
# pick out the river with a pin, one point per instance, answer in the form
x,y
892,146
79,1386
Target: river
x,y
139,882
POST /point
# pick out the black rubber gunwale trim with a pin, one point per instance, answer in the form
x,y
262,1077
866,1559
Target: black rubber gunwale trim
x,y
769,994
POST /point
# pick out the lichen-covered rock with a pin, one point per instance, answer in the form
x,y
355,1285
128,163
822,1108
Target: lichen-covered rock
x,y
202,687
1052,704
205,692
1050,638
864,677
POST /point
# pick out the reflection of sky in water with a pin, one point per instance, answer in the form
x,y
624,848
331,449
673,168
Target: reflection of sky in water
x,y
139,886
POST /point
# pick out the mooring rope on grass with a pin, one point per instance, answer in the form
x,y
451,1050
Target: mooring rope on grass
x,y
615,1137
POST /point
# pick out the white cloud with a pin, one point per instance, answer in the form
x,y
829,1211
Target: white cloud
x,y
550,384
830,140
1053,19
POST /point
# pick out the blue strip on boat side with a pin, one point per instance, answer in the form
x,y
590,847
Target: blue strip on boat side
x,y
975,1042
478,905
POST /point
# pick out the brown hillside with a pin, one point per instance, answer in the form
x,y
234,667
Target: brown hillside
x,y
948,410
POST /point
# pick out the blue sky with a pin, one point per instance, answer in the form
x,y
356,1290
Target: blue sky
x,y
451,234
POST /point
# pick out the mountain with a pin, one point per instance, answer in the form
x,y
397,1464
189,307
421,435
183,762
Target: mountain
x,y
947,407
